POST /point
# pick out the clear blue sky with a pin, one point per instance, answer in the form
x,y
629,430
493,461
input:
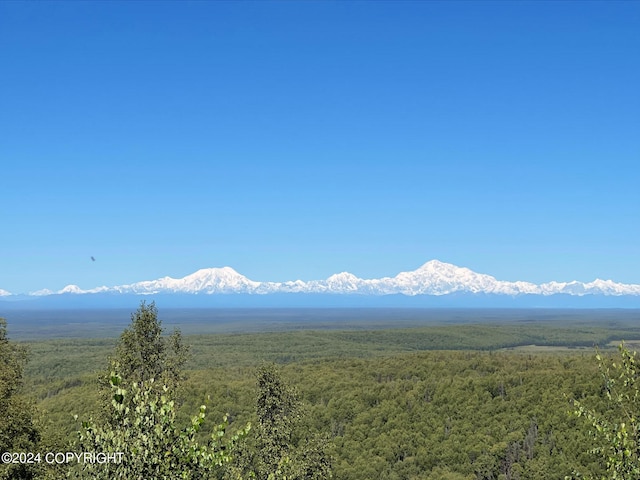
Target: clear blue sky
x,y
300,139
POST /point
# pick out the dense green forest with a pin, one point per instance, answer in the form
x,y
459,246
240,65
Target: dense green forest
x,y
470,401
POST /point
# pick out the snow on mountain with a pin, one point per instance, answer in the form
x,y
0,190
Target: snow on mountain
x,y
206,280
438,278
4,293
597,287
432,278
75,289
42,293
609,287
343,282
296,286
71,289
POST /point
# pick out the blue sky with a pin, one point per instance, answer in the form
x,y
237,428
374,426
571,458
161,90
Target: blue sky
x,y
300,139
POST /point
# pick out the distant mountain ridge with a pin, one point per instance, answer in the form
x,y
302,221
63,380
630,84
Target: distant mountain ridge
x,y
434,278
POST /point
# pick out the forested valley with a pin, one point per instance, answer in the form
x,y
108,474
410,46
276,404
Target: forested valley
x,y
482,402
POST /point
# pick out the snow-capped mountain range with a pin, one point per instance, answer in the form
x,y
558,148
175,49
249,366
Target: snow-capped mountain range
x,y
433,278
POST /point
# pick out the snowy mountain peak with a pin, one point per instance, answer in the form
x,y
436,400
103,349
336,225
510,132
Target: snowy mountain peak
x,y
343,282
42,293
432,278
217,276
342,277
437,265
71,289
215,272
206,280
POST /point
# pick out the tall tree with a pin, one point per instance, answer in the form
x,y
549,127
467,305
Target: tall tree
x,y
277,450
18,433
143,353
139,429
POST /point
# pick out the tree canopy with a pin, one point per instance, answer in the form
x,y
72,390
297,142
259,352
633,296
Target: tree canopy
x,y
143,353
18,432
616,429
140,427
278,449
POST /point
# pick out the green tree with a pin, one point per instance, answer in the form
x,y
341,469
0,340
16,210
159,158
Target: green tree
x,y
146,444
139,428
18,432
143,353
277,450
616,430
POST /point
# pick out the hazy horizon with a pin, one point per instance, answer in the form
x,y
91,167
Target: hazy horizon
x,y
39,324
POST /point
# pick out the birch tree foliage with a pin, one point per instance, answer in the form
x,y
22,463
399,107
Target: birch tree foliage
x,y
145,442
616,429
138,431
